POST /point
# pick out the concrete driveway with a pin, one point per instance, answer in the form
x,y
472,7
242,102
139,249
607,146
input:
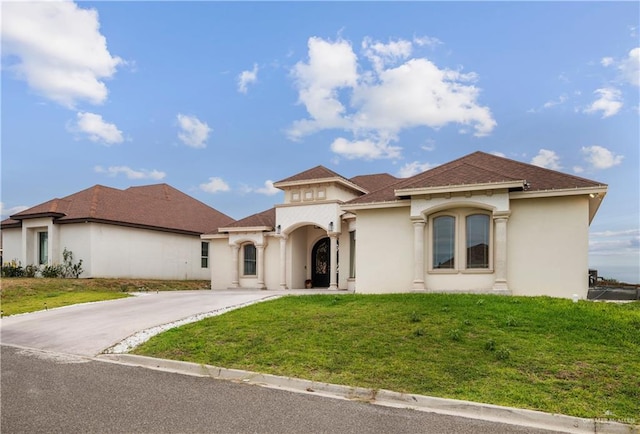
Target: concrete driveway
x,y
88,329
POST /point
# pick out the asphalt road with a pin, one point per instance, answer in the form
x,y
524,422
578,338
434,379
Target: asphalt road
x,y
61,393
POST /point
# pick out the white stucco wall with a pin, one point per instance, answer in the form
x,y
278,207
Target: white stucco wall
x,y
272,262
118,251
548,246
384,250
220,263
11,245
291,217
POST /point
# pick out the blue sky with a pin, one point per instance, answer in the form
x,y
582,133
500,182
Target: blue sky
x,y
221,99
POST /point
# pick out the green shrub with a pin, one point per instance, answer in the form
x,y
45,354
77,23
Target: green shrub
x,y
69,269
13,269
52,271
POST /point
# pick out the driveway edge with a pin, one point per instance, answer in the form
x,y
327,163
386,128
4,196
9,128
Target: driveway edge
x,y
452,407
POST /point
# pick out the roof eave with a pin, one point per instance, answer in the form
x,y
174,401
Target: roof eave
x,y
283,184
352,207
247,229
576,191
460,187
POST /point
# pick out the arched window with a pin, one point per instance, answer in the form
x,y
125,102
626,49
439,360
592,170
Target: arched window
x,y
477,241
444,242
461,239
249,254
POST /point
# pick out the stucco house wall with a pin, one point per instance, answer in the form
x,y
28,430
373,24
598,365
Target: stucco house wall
x,y
548,246
11,242
384,257
220,263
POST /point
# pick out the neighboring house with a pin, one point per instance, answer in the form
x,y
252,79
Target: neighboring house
x,y
142,232
479,223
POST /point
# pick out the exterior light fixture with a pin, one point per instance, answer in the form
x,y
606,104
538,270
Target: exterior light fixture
x,y
330,226
278,229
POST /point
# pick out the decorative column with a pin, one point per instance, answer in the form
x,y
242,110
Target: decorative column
x,y
500,255
235,280
260,260
418,254
333,263
283,261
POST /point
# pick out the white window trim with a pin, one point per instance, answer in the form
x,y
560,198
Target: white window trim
x,y
460,243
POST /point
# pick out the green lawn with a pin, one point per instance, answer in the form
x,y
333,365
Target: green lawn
x,y
538,353
20,295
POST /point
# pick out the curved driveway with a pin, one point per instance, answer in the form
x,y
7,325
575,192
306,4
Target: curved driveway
x,y
88,329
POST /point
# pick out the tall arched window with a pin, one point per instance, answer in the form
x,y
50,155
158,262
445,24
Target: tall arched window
x,y
249,253
477,241
444,242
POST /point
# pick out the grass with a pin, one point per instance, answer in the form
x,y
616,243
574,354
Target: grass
x,y
538,353
21,295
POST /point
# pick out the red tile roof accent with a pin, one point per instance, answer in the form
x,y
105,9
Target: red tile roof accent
x,y
159,207
481,168
375,181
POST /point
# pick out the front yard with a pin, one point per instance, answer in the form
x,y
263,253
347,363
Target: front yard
x,y
580,359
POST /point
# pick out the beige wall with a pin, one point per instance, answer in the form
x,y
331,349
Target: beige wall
x,y
220,263
548,246
384,250
11,245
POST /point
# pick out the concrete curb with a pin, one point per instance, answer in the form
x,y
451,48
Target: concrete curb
x,y
452,407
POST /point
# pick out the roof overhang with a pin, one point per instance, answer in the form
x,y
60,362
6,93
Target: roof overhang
x,y
353,207
247,229
214,236
460,188
53,215
335,180
595,195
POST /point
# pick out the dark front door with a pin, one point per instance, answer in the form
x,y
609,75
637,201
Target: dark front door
x,y
320,260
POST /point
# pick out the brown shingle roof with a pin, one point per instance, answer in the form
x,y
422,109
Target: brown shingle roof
x,y
313,174
159,207
375,181
265,218
481,168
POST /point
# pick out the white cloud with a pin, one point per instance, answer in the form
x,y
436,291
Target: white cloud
x,y
498,154
6,212
630,67
609,102
131,173
366,149
193,132
414,168
606,61
214,185
247,77
601,158
547,159
96,128
61,53
396,93
428,41
268,189
561,99
381,55
578,169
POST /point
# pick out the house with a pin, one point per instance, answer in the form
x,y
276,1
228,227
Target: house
x,y
481,223
142,232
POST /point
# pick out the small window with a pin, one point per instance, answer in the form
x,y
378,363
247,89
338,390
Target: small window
x,y
204,260
249,251
43,248
477,241
444,236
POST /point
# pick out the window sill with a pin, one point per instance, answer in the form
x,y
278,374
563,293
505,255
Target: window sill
x,y
477,271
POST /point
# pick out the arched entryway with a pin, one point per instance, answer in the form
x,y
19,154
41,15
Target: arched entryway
x,y
321,263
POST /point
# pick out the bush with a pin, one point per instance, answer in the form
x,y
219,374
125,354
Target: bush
x,y
69,269
31,270
13,269
52,271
